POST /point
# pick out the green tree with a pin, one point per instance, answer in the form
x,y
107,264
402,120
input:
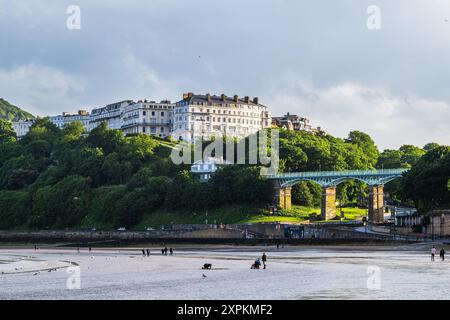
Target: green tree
x,y
367,145
411,154
426,183
135,203
7,133
63,205
391,159
106,139
431,146
306,194
14,209
42,129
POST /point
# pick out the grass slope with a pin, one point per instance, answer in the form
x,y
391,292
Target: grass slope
x,y
238,214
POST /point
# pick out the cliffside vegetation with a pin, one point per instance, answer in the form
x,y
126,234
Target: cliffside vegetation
x,y
61,179
11,112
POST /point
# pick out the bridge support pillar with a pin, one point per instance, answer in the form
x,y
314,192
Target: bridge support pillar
x,y
283,197
376,204
328,210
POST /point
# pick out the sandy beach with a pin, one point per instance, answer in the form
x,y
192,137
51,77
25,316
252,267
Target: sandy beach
x,y
292,273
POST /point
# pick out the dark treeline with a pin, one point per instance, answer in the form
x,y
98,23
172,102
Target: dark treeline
x,y
60,179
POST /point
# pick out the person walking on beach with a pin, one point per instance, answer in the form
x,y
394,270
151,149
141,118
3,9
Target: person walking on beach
x,y
442,254
162,251
165,251
433,253
78,250
171,251
264,259
90,249
148,252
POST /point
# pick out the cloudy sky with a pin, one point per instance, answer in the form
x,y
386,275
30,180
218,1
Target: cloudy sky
x,y
315,58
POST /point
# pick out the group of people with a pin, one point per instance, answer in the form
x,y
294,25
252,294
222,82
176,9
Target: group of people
x,y
164,251
441,253
257,263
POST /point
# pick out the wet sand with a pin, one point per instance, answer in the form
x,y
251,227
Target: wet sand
x,y
350,272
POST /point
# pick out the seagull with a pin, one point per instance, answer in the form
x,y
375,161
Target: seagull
x,y
204,276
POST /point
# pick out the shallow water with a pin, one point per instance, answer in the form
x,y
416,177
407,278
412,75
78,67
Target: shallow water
x,y
292,273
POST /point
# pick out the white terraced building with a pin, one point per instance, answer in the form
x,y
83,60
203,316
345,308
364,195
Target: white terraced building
x,y
148,117
111,114
22,127
190,119
65,118
210,116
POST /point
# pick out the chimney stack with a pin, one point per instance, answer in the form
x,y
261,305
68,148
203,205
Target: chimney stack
x,y
187,96
256,100
247,99
223,97
236,98
208,97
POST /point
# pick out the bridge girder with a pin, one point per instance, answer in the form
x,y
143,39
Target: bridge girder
x,y
333,178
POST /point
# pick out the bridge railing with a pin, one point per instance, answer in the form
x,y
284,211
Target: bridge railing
x,y
324,174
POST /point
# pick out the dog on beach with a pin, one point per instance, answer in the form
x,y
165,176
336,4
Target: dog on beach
x,y
207,266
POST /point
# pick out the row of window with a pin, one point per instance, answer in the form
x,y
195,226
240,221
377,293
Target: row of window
x,y
153,113
157,107
229,112
207,129
153,130
224,120
223,105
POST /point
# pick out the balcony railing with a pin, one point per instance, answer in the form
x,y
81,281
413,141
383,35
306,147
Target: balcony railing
x,y
145,123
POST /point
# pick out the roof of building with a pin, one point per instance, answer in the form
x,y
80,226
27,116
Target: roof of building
x,y
212,160
214,99
111,106
291,117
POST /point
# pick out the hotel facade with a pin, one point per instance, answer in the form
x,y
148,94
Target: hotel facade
x,y
148,117
208,116
111,114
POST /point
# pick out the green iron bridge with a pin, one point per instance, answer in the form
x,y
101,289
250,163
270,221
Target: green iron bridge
x,y
328,180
